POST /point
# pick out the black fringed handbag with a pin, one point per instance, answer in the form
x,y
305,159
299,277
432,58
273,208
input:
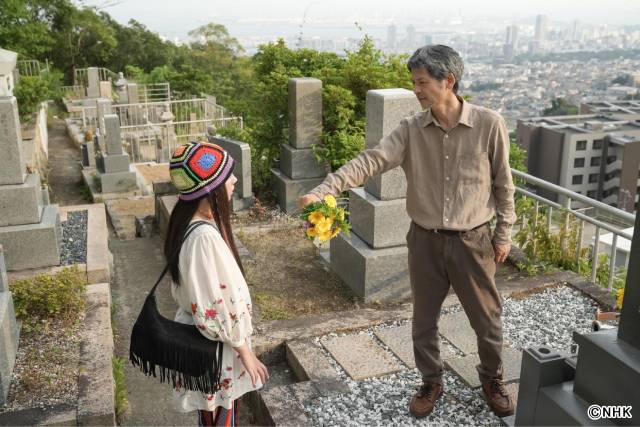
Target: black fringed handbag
x,y
180,352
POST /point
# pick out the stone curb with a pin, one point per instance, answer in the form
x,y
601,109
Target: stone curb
x,y
57,415
97,196
96,386
99,259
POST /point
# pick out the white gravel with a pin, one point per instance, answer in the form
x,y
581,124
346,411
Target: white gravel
x,y
547,318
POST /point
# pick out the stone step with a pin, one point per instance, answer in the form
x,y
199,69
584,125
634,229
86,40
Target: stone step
x,y
399,341
309,363
457,330
361,356
465,367
283,405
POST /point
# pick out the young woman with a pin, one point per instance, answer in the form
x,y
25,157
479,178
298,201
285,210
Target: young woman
x,y
208,284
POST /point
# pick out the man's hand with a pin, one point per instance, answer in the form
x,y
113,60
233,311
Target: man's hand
x,y
501,251
306,199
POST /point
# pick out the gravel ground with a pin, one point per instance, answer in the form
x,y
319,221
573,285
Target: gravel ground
x,y
74,239
548,318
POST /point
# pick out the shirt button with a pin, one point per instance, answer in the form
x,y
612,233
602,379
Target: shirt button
x,y
446,157
447,199
446,220
446,135
447,178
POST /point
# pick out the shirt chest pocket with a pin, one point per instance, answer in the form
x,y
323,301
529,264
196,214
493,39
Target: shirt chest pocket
x,y
474,168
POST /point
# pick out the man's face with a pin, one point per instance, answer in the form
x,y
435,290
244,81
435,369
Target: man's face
x,y
428,90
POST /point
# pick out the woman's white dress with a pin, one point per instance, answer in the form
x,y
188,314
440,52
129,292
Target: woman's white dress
x,y
214,297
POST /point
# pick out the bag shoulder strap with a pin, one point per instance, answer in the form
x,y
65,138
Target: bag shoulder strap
x,y
190,230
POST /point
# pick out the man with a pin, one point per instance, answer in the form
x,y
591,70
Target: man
x,y
456,159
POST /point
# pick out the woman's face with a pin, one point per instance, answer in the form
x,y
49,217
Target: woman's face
x,y
230,185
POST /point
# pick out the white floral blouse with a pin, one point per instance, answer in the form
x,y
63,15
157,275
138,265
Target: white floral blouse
x,y
214,297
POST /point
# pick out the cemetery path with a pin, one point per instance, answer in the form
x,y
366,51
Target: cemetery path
x,y
65,178
137,264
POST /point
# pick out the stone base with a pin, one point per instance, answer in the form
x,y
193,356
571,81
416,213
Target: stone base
x,y
240,204
164,206
608,370
380,223
113,163
289,190
389,185
9,336
88,154
22,203
33,245
373,274
118,182
300,163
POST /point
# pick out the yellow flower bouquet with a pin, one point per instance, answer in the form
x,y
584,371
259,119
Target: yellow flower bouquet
x,y
325,219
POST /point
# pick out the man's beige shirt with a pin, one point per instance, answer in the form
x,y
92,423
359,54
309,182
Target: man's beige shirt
x,y
456,180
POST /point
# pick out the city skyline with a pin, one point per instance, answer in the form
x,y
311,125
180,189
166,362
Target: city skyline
x,y
250,18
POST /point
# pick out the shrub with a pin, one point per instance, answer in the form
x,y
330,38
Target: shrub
x,y
45,296
30,92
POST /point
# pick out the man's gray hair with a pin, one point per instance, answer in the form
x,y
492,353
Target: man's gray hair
x,y
439,61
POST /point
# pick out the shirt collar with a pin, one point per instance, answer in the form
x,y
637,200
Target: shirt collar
x,y
465,116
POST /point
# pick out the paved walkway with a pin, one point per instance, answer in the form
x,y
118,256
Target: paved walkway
x,y
65,179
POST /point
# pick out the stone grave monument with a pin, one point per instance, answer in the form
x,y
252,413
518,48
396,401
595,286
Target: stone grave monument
x,y
30,228
113,164
93,82
557,389
299,170
241,152
373,259
9,332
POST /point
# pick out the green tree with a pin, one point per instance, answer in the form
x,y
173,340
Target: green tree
x,y
140,47
87,41
560,107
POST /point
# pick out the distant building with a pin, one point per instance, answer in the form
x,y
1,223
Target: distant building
x,y
411,37
392,37
623,247
596,155
511,43
631,108
542,27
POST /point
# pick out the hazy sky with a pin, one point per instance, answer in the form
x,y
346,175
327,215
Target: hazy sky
x,y
175,18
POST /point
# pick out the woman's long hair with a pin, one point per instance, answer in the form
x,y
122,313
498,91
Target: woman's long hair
x,y
183,213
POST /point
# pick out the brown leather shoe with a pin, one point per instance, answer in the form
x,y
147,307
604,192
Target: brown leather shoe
x,y
423,402
497,396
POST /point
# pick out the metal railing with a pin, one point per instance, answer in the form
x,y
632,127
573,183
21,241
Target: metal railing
x,y
617,216
81,76
87,116
151,131
154,92
73,92
31,67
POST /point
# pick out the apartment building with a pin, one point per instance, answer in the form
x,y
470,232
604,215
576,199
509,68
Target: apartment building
x,y
597,155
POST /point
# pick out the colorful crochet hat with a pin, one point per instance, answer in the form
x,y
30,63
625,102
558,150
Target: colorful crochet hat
x,y
198,168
